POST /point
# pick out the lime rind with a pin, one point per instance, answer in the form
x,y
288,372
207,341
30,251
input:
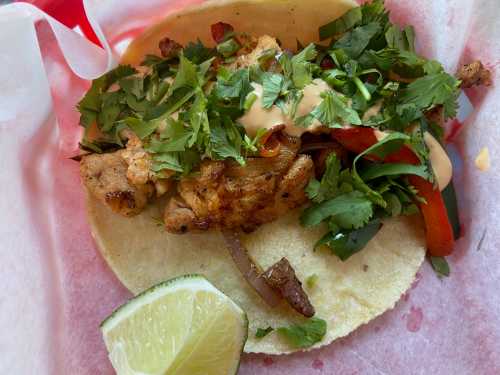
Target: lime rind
x,y
193,283
159,290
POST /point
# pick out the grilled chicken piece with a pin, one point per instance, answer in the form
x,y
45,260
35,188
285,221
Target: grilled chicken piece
x,y
105,175
281,276
139,161
264,43
226,195
123,179
474,74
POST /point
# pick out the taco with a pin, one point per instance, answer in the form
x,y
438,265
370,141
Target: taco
x,y
282,149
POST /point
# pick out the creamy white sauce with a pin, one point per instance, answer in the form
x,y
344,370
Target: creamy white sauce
x,y
440,162
311,99
482,160
258,117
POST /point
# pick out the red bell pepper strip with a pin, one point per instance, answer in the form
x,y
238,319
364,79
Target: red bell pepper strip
x,y
439,233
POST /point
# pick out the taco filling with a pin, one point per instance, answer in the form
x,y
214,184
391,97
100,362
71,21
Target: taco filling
x,y
235,135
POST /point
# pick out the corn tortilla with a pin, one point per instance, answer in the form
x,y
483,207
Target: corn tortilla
x,y
346,294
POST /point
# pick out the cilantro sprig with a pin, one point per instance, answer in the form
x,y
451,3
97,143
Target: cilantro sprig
x,y
351,201
187,107
301,335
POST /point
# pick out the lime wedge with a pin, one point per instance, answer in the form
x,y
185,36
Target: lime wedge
x,y
181,326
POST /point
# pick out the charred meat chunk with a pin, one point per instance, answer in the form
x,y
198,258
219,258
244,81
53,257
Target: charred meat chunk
x,y
474,74
281,276
226,195
105,176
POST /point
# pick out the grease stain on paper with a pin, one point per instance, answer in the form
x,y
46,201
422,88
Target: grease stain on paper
x,y
317,364
267,361
414,319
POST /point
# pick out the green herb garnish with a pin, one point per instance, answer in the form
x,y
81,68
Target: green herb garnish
x,y
440,266
262,332
306,334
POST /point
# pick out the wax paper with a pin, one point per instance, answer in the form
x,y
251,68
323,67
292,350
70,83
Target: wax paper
x,y
56,288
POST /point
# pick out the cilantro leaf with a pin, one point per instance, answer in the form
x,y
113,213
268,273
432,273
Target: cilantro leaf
x,y
98,146
272,85
440,266
401,39
187,79
301,68
369,12
168,161
262,332
174,138
151,60
335,77
234,85
117,73
394,205
346,243
313,191
133,85
110,110
394,169
198,118
90,105
137,105
197,52
384,59
354,42
140,127
175,101
374,11
328,187
266,57
306,334
352,209
432,67
186,75
293,98
228,47
334,110
312,280
391,143
432,90
450,202
221,146
347,21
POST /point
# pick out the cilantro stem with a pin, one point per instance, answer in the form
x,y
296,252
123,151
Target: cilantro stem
x,y
362,88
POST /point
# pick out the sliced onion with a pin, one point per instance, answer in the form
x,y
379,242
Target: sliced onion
x,y
271,148
249,269
269,143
